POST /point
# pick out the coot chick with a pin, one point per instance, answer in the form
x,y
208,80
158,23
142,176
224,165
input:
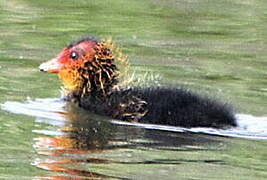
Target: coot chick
x,y
89,71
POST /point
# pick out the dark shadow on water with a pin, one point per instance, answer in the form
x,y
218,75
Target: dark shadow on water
x,y
84,134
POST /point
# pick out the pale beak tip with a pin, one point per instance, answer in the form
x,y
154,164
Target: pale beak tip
x,y
41,68
51,66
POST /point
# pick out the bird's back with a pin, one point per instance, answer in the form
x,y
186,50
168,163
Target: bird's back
x,y
165,106
179,107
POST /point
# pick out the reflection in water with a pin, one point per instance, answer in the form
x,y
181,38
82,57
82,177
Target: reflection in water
x,y
78,140
73,144
82,133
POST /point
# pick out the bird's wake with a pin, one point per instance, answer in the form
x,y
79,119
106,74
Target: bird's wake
x,y
52,111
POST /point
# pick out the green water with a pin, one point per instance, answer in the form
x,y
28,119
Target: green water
x,y
213,47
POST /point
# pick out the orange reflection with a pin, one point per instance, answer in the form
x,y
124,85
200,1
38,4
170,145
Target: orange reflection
x,y
84,134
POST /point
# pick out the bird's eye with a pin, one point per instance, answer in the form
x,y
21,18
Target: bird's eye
x,y
74,55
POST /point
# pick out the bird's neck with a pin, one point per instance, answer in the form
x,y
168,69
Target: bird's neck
x,y
85,82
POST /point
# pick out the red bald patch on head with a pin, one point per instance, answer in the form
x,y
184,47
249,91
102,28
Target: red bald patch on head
x,y
74,55
84,50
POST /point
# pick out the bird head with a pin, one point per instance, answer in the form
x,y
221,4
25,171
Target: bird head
x,y
85,66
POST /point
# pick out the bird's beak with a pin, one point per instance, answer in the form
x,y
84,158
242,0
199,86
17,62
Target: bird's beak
x,y
52,66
